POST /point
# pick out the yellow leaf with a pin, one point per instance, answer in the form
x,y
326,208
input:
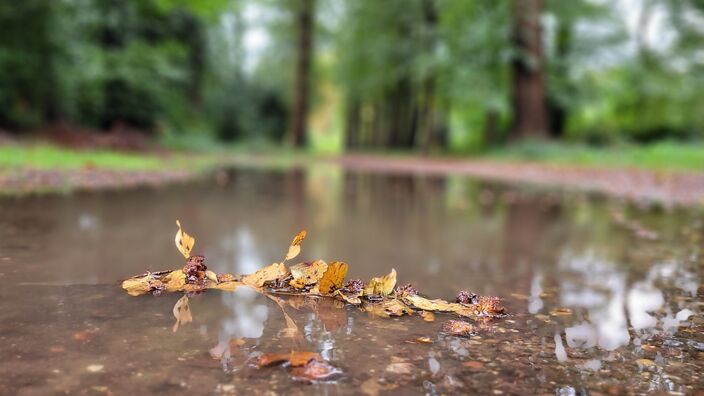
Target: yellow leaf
x,y
174,280
136,286
388,308
295,247
182,313
332,278
383,285
424,304
307,273
266,274
211,275
184,242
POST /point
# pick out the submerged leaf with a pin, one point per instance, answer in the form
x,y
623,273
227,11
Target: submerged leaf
x,y
305,274
315,370
182,313
295,247
294,358
332,278
266,274
184,242
383,285
459,328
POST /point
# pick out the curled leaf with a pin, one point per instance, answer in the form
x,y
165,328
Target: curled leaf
x,y
184,242
182,313
295,247
333,277
266,274
305,274
383,285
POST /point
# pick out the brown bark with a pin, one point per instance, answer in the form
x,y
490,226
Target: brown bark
x,y
427,127
529,98
304,44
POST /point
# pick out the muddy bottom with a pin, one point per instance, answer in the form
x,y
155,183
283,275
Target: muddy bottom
x,y
604,297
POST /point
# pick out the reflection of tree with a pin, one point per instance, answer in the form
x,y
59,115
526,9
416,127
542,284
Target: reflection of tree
x,y
528,240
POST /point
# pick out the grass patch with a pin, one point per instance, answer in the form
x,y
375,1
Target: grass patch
x,y
664,155
46,156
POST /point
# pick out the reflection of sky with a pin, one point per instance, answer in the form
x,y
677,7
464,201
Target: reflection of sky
x,y
248,316
600,287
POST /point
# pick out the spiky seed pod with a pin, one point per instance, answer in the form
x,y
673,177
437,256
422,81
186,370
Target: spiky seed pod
x,y
466,298
490,305
354,286
406,290
195,268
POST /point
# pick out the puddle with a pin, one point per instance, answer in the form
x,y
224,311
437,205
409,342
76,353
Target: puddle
x,y
605,297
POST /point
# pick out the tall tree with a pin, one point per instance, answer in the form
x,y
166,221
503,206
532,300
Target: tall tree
x,y
305,12
529,97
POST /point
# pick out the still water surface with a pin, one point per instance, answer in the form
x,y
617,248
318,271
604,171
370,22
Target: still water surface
x,y
604,297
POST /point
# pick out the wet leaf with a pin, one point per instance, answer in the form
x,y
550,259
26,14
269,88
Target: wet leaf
x,y
171,281
301,358
473,365
383,285
314,371
182,313
272,358
305,274
294,358
136,286
388,308
427,316
420,340
266,274
295,247
333,277
184,242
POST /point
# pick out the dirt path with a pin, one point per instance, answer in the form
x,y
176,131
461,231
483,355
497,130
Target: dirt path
x,y
670,188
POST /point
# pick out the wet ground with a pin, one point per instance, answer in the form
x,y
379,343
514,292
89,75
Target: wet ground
x,y
605,297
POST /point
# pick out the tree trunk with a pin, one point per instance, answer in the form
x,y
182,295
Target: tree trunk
x,y
352,125
304,43
427,124
529,104
558,110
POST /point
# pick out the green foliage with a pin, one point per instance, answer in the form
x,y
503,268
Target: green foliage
x,y
403,74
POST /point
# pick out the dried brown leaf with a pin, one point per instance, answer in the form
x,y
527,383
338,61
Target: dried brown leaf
x,y
266,274
295,247
305,274
184,242
333,277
